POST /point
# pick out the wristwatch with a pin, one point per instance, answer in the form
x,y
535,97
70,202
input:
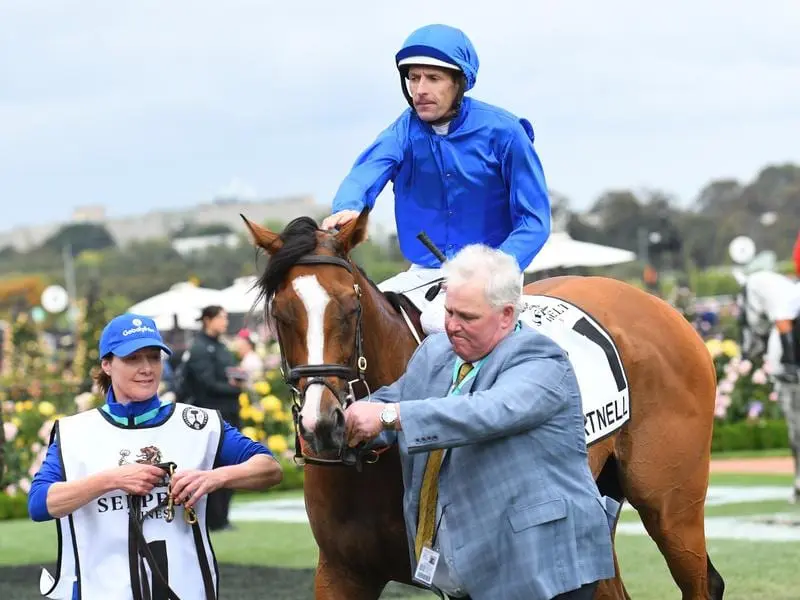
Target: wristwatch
x,y
389,417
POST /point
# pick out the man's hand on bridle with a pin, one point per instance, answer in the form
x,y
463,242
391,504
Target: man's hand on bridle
x,y
338,219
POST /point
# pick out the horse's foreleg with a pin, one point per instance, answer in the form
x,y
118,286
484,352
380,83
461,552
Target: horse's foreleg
x,y
335,582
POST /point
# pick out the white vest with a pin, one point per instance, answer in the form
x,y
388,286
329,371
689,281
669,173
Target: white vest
x,y
779,296
93,541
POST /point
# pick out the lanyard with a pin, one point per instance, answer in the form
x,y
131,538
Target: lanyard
x,y
456,389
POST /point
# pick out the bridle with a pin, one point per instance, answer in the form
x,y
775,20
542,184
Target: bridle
x,y
317,374
139,550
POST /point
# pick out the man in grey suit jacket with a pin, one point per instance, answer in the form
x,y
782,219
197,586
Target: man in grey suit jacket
x,y
499,500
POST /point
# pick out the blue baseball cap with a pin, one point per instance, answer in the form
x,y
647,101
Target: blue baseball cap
x,y
128,333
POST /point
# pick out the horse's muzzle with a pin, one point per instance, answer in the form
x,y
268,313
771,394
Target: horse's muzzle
x,y
328,434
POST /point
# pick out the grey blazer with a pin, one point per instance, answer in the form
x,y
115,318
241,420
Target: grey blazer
x,y
524,514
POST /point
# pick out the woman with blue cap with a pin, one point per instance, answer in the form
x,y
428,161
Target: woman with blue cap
x,y
128,482
464,171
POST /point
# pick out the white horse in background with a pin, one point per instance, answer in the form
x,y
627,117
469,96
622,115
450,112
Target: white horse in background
x,y
766,298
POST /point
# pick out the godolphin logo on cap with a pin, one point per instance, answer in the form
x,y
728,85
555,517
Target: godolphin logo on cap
x,y
138,327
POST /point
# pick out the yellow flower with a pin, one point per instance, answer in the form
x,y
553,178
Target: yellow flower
x,y
282,416
246,412
16,421
19,407
256,416
277,444
271,403
28,404
730,348
274,374
250,432
244,399
46,409
262,388
714,347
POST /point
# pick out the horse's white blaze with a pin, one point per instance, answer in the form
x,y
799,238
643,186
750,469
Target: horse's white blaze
x,y
315,299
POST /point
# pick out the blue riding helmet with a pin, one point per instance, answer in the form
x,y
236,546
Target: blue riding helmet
x,y
439,46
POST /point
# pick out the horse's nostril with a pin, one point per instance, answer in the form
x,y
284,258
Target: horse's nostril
x,y
338,417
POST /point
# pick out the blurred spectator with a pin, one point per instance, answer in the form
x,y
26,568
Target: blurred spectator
x,y
683,299
214,382
796,255
250,362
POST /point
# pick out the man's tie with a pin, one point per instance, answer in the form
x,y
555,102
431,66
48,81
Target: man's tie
x,y
429,494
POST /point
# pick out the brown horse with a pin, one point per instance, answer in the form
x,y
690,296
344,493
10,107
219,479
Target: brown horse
x,y
338,332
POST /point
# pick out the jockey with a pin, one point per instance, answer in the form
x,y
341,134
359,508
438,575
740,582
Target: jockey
x,y
464,171
780,301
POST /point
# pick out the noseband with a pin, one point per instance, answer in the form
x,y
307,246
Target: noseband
x,y
317,374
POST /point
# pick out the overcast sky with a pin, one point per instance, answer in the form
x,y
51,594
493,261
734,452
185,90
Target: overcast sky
x,y
151,104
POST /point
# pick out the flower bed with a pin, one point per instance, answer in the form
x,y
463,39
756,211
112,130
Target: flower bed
x,y
744,388
27,422
748,414
35,391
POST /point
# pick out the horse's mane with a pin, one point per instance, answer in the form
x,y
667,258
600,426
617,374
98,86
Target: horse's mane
x,y
299,238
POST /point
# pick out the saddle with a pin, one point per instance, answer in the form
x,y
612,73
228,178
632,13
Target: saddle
x,y
140,551
409,306
412,302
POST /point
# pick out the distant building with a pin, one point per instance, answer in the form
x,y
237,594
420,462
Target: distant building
x,y
187,245
162,223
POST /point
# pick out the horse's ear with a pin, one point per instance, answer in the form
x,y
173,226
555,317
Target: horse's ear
x,y
263,237
354,232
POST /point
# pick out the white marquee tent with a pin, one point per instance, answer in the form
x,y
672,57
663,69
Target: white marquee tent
x,y
562,251
183,301
241,296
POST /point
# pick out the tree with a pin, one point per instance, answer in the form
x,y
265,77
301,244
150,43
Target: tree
x,y
21,292
95,313
80,237
199,230
618,216
718,197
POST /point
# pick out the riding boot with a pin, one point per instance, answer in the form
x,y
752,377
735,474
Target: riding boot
x,y
788,357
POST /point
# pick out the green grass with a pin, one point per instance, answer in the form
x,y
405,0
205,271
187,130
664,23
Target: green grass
x,y
750,569
734,454
750,479
738,509
285,545
245,497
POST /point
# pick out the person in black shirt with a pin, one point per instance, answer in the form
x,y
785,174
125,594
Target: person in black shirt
x,y
212,382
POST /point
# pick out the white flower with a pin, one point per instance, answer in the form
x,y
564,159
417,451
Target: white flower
x,y
84,401
10,431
